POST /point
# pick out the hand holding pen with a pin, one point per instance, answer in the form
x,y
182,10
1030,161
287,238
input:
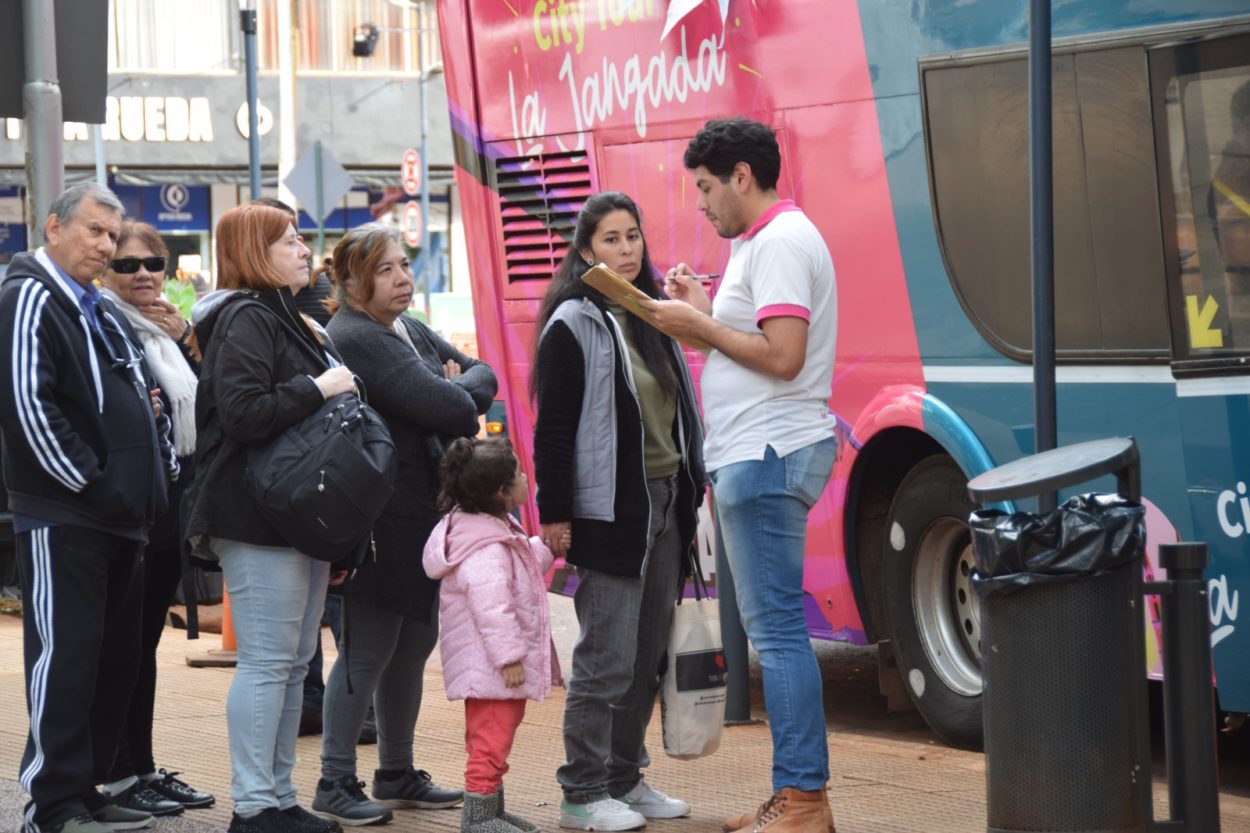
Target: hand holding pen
x,y
682,284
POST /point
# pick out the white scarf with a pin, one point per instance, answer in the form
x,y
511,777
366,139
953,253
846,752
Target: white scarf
x,y
169,367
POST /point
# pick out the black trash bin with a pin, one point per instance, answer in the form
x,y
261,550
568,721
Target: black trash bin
x,y
1065,709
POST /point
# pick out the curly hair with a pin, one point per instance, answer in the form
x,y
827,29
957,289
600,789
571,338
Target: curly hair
x,y
722,143
472,474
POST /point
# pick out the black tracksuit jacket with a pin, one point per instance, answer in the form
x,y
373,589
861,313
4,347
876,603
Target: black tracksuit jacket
x,y
81,445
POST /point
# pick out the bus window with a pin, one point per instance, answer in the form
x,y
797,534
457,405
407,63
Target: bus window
x,y
1204,164
1109,287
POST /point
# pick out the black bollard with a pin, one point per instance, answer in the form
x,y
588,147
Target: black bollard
x,y
1188,698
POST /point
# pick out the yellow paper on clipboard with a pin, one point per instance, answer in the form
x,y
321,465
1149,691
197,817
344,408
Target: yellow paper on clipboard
x,y
627,296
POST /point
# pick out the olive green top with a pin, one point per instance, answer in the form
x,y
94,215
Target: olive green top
x,y
661,457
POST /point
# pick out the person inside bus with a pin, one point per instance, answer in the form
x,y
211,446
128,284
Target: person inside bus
x,y
133,281
1230,203
619,468
429,393
264,370
770,441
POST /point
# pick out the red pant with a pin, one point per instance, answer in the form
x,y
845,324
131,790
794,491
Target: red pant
x,y
489,727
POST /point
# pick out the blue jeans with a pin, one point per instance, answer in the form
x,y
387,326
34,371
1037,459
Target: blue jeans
x,y
762,506
276,599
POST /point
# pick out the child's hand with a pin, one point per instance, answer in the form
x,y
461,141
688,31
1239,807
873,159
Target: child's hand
x,y
513,675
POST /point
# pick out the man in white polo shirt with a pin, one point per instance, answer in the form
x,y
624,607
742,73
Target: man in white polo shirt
x,y
770,441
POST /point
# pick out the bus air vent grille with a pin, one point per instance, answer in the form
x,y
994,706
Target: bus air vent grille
x,y
539,198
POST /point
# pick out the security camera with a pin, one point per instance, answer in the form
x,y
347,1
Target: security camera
x,y
364,40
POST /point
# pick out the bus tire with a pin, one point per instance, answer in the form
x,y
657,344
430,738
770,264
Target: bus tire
x,y
932,612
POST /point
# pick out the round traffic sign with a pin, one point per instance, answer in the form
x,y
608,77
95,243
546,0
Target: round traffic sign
x,y
410,172
412,223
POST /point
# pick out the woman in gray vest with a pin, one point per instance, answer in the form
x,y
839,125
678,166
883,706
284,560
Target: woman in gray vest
x,y
618,462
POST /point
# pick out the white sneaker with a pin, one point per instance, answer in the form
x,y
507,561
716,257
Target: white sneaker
x,y
604,814
653,804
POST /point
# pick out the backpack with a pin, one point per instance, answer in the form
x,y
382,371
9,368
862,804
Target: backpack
x,y
324,481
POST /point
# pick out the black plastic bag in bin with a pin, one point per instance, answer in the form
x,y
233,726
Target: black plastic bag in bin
x,y
1085,536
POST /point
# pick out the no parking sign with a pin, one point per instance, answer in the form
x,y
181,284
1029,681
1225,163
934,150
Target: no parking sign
x,y
411,223
410,173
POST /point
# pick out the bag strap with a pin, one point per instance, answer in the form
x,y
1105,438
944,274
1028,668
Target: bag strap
x,y
696,574
245,298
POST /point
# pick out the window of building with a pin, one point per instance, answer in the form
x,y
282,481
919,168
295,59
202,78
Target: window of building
x,y
1202,97
1109,293
146,36
204,35
323,38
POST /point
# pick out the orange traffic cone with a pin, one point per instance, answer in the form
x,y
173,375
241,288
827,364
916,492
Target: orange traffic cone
x,y
227,623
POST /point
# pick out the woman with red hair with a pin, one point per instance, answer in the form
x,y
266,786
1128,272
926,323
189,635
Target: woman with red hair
x,y
265,369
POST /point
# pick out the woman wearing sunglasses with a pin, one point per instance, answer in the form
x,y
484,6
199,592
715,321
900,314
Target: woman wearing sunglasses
x,y
133,281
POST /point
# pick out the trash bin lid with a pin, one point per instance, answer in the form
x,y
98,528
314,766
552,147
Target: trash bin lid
x,y
1058,468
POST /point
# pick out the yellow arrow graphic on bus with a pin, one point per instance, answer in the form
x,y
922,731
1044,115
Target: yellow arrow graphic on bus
x,y
1202,336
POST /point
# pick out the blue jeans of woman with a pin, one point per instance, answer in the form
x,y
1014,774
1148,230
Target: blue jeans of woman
x,y
624,623
276,599
762,507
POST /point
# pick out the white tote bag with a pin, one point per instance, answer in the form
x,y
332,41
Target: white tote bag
x,y
692,705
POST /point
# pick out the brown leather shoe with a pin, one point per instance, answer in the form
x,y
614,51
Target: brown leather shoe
x,y
789,811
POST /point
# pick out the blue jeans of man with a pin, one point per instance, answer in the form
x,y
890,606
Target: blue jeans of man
x,y
277,595
762,506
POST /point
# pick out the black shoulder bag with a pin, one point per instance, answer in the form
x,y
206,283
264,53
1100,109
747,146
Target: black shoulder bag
x,y
324,481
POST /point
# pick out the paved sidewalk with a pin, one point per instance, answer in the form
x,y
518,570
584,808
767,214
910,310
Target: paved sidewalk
x,y
887,776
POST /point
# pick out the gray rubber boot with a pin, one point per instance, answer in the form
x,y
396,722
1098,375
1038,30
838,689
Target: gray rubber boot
x,y
516,821
480,814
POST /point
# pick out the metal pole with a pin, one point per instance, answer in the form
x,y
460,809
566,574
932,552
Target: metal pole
x,y
97,145
286,96
425,167
1188,699
1041,161
247,22
321,200
41,107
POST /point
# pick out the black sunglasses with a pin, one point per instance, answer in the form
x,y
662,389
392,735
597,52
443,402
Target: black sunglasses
x,y
130,265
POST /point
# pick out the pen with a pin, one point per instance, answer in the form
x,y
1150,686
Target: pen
x,y
710,277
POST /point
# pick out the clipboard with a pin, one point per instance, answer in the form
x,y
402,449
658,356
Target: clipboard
x,y
627,296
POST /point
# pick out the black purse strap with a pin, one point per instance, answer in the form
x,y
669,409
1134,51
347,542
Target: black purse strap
x,y
696,575
246,297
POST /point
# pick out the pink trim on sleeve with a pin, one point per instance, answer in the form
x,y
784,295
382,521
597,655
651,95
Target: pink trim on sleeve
x,y
782,311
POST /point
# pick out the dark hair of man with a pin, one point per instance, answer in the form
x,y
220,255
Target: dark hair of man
x,y
278,204
567,283
473,472
722,143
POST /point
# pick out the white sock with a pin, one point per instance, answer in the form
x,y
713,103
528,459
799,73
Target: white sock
x,y
119,787
150,777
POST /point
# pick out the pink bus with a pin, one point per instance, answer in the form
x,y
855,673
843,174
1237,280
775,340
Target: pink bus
x,y
903,134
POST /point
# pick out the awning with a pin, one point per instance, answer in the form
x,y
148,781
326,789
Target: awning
x,y
369,177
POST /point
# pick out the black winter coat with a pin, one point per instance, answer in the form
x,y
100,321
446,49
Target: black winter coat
x,y
255,382
423,410
619,546
81,446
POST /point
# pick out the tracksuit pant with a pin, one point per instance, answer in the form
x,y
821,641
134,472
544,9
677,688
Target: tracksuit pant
x,y
81,635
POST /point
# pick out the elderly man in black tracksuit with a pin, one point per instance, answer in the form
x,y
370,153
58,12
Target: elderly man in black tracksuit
x,y
87,464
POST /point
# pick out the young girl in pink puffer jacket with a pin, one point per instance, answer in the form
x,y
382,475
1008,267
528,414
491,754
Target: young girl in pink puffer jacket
x,y
495,627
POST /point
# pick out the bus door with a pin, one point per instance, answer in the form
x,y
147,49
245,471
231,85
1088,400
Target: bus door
x,y
1201,101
